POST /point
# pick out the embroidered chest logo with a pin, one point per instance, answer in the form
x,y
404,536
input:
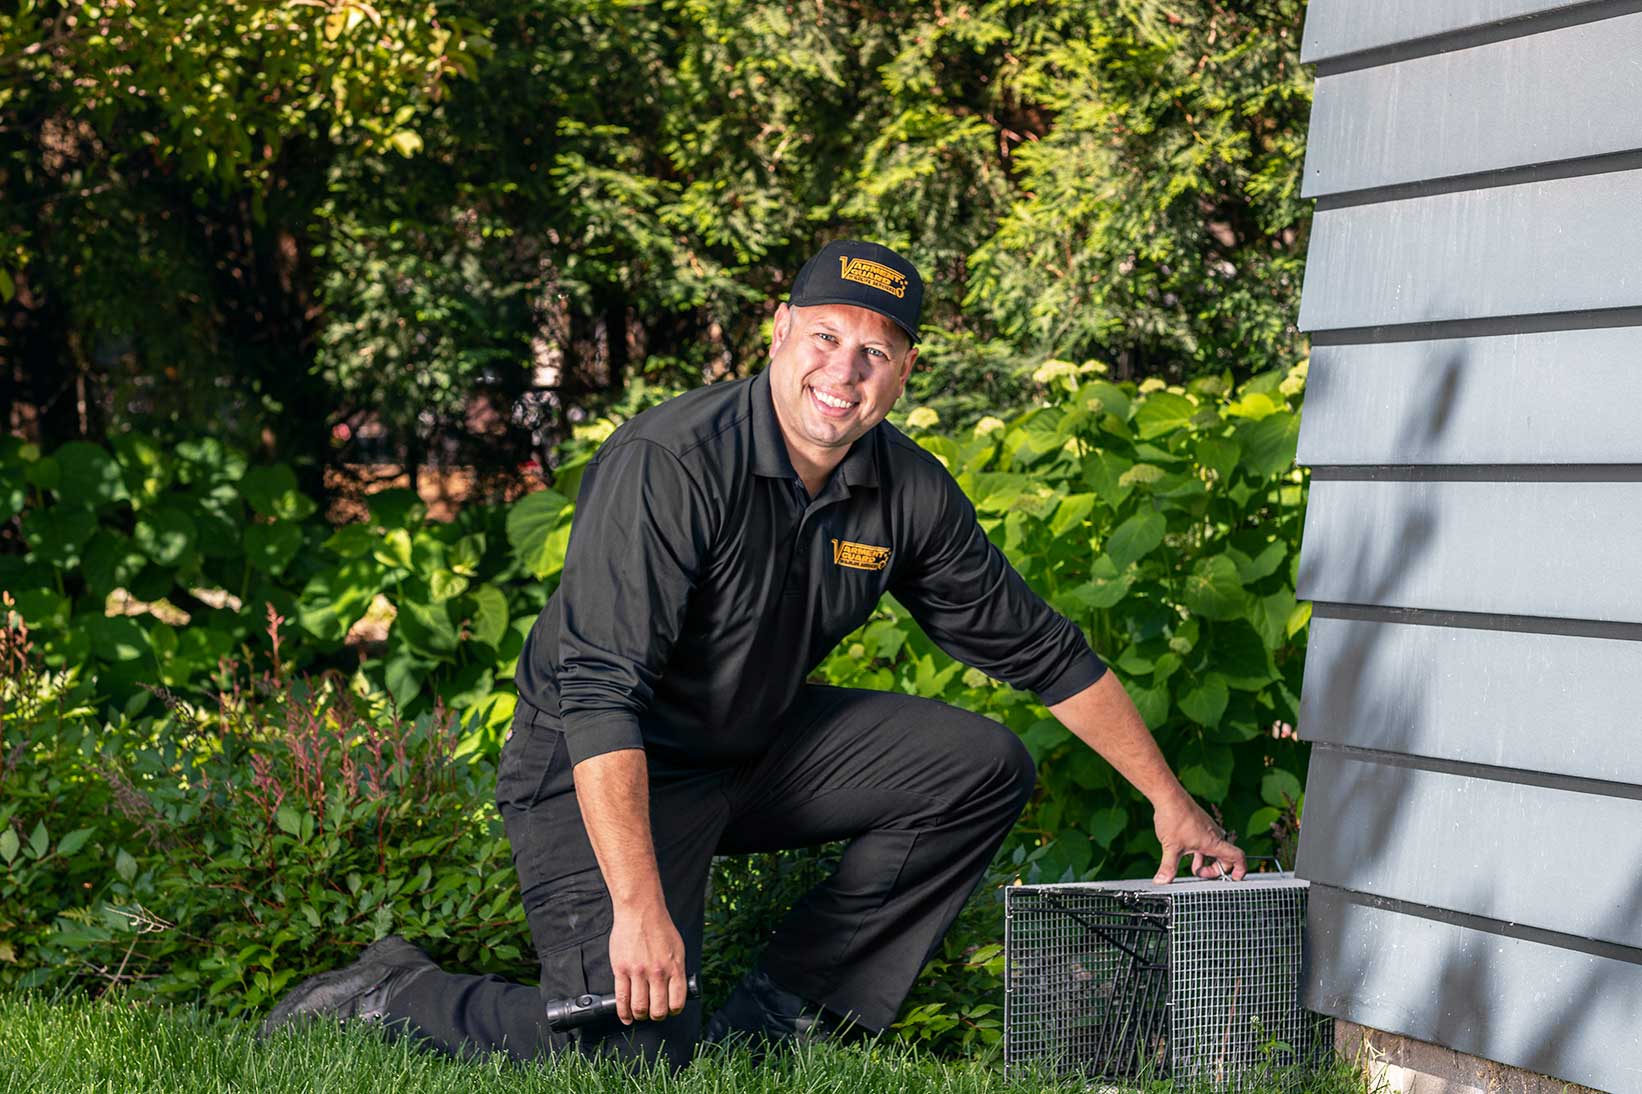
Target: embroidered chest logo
x,y
859,556
874,275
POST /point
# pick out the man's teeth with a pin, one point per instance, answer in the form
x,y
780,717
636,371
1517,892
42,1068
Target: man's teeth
x,y
836,404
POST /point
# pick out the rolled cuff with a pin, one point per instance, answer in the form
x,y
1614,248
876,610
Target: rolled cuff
x,y
589,735
1081,673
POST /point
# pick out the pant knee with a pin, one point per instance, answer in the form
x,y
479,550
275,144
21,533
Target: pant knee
x,y
1005,767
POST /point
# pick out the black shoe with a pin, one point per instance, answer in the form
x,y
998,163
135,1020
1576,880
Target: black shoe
x,y
762,1013
360,990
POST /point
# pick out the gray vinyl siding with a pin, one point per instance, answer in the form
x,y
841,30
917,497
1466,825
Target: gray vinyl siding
x,y
1548,397
1473,542
1507,104
1337,28
1560,245
1528,701
1548,1004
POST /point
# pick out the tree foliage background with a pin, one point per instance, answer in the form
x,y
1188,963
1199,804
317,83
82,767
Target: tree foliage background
x,y
276,221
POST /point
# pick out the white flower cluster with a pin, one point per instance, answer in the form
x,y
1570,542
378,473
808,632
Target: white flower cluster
x,y
923,418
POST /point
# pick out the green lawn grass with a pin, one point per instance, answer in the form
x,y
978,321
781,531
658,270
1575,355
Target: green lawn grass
x,y
124,1048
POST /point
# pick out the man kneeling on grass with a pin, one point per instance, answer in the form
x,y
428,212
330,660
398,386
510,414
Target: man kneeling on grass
x,y
724,543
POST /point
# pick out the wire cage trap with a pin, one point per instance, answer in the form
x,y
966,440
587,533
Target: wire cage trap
x,y
1197,982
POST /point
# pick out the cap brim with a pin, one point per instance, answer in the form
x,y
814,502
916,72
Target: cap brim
x,y
855,303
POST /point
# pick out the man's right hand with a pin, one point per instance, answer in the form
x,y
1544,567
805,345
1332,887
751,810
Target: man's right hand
x,y
646,952
647,957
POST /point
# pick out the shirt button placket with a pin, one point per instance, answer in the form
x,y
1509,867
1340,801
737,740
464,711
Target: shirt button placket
x,y
793,586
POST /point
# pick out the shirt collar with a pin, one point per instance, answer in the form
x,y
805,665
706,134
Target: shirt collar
x,y
858,468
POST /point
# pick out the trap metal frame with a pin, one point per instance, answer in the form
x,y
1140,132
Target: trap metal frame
x,y
1197,982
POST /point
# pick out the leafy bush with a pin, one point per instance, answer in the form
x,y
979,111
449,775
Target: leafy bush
x,y
216,853
1164,520
207,544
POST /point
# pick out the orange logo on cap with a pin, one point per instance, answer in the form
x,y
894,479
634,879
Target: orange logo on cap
x,y
872,274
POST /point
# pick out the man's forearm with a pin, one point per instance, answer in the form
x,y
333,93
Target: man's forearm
x,y
613,789
1104,718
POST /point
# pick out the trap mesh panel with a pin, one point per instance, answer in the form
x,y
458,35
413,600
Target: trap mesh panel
x,y
1198,981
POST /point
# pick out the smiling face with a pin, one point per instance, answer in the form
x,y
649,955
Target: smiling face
x,y
835,371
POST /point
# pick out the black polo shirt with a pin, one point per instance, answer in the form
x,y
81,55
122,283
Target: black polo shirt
x,y
702,584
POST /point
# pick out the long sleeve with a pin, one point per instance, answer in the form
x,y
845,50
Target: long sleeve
x,y
977,607
639,540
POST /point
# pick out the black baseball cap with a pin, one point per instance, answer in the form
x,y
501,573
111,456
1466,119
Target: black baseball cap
x,y
868,275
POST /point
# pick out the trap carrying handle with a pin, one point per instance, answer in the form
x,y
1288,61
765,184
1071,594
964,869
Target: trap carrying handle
x,y
579,1010
1229,834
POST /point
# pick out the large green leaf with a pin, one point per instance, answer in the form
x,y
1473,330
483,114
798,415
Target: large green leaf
x,y
270,547
1241,656
1135,538
490,617
1152,703
111,562
13,491
1073,510
1205,701
1113,399
1279,788
42,608
1106,825
464,557
145,467
428,628
1260,561
115,638
58,534
1163,412
1218,454
165,534
272,492
538,528
1270,616
219,515
352,541
87,475
396,508
403,675
1104,472
1213,589
1269,444
394,550
1206,770
1105,588
335,598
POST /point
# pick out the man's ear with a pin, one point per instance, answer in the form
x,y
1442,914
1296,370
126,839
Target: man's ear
x,y
781,327
906,368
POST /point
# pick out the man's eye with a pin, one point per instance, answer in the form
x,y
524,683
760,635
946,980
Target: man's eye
x,y
877,352
824,334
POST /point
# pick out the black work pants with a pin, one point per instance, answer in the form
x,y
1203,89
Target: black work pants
x,y
923,792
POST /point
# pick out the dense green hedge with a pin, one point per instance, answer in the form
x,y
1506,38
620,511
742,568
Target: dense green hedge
x,y
139,821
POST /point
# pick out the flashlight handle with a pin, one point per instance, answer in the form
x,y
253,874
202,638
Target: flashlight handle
x,y
579,1010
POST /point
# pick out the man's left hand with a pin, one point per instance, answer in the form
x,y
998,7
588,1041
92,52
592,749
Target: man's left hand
x,y
1183,828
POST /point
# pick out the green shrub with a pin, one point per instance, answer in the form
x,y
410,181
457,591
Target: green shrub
x,y
216,852
213,545
1164,520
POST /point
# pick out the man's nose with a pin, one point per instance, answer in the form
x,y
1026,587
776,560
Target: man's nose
x,y
847,367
